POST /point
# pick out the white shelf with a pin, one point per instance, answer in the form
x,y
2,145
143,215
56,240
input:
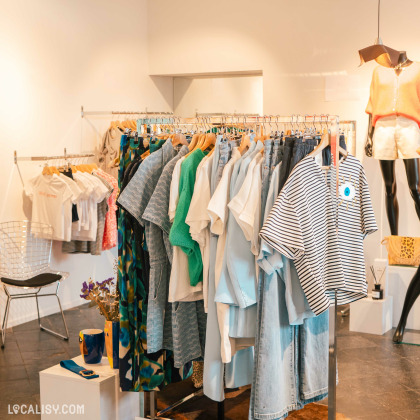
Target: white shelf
x,y
101,397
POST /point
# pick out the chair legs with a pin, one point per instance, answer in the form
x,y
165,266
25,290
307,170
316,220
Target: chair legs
x,y
36,295
42,328
5,318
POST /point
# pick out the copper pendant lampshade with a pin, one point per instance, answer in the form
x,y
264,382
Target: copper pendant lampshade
x,y
383,55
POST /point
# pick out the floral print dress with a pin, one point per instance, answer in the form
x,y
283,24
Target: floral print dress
x,y
139,370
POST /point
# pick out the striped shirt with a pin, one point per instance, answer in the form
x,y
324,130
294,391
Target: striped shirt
x,y
302,225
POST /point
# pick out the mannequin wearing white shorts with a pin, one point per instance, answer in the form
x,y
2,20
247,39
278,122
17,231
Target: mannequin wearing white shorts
x,y
394,133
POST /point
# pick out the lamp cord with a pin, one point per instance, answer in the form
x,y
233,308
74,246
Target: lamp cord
x,y
379,13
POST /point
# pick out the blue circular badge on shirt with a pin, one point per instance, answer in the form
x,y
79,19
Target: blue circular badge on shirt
x,y
347,191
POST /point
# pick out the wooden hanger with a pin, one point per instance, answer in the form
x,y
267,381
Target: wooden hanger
x,y
179,139
50,170
198,145
194,141
210,140
326,141
245,143
145,154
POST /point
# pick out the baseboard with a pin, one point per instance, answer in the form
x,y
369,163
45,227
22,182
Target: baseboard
x,y
45,311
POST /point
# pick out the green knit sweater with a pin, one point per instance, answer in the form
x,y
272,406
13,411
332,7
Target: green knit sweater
x,y
179,234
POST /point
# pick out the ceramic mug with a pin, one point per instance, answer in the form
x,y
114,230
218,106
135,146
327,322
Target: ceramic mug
x,y
92,343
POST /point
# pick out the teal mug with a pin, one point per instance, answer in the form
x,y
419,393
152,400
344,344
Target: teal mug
x,y
92,343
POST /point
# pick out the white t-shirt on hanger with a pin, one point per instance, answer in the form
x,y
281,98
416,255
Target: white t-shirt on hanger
x,y
250,216
98,193
198,218
51,200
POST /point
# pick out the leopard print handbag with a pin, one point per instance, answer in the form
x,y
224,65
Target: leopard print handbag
x,y
402,250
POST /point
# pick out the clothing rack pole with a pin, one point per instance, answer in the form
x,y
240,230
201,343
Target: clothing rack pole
x,y
221,410
17,159
157,415
332,338
83,113
332,361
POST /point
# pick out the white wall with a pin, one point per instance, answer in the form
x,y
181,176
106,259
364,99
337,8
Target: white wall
x,y
300,46
218,94
57,55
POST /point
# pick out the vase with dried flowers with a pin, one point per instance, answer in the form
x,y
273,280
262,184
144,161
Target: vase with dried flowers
x,y
105,296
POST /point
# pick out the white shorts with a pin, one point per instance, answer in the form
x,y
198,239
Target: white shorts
x,y
396,138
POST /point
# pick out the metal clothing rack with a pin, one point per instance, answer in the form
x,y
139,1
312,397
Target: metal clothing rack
x,y
65,156
332,121
145,112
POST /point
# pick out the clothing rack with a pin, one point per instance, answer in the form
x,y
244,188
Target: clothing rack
x,y
333,122
145,112
17,158
216,119
65,156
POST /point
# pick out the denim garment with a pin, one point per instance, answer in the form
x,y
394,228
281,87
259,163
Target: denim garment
x,y
297,356
287,158
239,371
268,156
276,158
326,153
299,152
224,155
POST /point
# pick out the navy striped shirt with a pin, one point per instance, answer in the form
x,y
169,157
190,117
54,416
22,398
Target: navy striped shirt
x,y
303,222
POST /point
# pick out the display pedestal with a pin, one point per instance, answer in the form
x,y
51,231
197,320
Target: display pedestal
x,y
399,279
100,398
411,337
371,316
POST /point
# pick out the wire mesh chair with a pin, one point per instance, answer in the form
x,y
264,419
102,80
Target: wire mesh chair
x,y
25,254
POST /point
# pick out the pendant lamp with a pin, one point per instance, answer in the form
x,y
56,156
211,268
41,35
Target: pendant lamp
x,y
383,55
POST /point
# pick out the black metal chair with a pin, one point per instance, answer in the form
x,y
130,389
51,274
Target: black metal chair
x,y
25,255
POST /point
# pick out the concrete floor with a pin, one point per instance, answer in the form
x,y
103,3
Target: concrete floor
x,y
378,380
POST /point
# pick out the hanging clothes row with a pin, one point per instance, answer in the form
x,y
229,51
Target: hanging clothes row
x,y
202,277
79,202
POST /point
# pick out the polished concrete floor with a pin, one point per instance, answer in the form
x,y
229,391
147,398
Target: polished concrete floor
x,y
378,380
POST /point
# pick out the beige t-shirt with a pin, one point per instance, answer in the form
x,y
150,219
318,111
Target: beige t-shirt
x,y
110,150
51,200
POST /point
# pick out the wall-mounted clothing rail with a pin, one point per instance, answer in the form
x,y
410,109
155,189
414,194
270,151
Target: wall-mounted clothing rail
x,y
145,112
65,157
45,158
222,114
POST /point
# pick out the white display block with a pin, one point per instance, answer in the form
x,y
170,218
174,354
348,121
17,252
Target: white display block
x,y
101,397
399,279
371,316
